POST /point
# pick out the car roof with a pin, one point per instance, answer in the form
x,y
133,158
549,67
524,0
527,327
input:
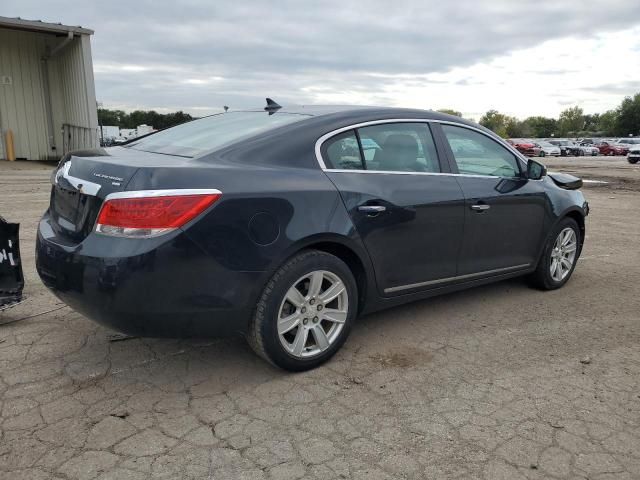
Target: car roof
x,y
355,113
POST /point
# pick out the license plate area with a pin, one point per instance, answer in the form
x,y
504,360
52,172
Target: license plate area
x,y
67,204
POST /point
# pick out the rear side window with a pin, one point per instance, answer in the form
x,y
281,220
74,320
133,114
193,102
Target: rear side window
x,y
392,147
206,134
342,152
477,154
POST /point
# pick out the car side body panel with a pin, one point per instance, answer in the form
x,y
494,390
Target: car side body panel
x,y
205,278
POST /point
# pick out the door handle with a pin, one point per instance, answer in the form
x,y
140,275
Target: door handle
x,y
372,210
480,207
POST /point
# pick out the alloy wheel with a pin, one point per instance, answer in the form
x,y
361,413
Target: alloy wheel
x,y
563,254
312,314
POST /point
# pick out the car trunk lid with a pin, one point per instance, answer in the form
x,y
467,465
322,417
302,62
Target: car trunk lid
x,y
83,180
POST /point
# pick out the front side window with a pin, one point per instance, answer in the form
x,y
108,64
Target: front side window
x,y
477,154
399,147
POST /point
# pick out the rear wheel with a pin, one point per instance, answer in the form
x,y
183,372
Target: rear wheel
x,y
559,258
633,160
305,312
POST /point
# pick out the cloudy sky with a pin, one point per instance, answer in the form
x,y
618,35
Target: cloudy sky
x,y
520,57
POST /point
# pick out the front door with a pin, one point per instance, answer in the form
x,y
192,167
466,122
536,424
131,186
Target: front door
x,y
408,213
504,211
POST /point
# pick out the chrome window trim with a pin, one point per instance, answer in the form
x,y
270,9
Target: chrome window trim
x,y
458,277
162,193
394,172
327,136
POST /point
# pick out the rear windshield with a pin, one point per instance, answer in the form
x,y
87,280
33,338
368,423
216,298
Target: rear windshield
x,y
199,136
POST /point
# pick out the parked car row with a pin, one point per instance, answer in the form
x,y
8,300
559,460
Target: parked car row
x,y
579,147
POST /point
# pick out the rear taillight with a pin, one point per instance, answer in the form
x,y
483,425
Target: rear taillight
x,y
149,213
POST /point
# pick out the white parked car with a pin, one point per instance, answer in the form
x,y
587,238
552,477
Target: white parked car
x,y
547,149
634,154
590,150
627,143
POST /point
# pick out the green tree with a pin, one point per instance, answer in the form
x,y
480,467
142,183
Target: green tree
x,y
571,121
591,122
607,123
111,117
517,128
628,119
542,127
449,111
496,121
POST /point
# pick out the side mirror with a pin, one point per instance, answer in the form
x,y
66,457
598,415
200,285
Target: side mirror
x,y
535,170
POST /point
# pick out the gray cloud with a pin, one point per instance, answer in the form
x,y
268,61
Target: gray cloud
x,y
621,88
202,54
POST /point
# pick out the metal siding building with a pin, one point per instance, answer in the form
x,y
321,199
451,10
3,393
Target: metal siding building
x,y
47,91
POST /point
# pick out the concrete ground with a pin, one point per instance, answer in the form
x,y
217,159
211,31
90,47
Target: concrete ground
x,y
499,382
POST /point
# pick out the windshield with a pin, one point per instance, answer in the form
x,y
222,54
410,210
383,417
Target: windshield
x,y
546,144
199,136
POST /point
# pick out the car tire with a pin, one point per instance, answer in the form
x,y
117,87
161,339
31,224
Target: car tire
x,y
312,335
541,154
546,277
633,160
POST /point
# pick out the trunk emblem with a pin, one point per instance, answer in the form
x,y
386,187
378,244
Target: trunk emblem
x,y
115,181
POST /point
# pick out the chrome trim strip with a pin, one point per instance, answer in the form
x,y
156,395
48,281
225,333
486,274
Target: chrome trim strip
x,y
459,277
83,186
337,131
393,172
162,193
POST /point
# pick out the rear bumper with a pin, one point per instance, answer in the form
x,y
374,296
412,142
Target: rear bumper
x,y
163,287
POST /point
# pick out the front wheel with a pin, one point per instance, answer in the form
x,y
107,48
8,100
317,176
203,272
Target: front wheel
x,y
559,257
541,154
305,312
633,160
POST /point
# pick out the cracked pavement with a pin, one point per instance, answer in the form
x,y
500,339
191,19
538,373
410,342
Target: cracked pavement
x,y
498,382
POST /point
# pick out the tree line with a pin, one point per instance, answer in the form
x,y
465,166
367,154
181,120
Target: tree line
x,y
157,120
572,122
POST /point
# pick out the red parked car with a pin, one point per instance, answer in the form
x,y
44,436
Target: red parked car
x,y
526,147
607,148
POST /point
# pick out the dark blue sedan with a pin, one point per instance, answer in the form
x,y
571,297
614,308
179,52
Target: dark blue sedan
x,y
284,225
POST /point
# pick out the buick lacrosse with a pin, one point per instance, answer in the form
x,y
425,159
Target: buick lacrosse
x,y
285,224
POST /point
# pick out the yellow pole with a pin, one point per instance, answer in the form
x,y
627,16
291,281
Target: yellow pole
x,y
11,153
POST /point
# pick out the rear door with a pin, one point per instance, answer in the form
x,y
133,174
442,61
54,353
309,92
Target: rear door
x,y
407,208
504,211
